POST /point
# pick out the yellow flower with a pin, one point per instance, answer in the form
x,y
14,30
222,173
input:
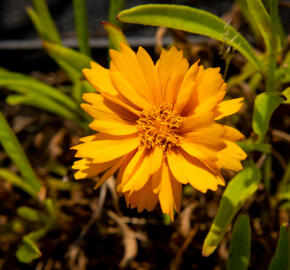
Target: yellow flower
x,y
156,125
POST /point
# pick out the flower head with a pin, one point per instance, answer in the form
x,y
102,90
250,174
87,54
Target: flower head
x,y
156,126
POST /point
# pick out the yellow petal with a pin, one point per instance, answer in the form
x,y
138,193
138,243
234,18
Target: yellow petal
x,y
232,134
149,163
113,127
108,173
210,135
187,88
166,196
228,107
106,148
229,158
88,169
118,101
105,109
171,68
150,74
189,170
143,198
127,64
198,120
125,89
100,79
199,151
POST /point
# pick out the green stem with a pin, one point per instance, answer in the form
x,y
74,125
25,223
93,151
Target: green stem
x,y
81,22
272,60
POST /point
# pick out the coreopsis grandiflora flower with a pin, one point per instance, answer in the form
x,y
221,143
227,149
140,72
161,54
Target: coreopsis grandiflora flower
x,y
156,125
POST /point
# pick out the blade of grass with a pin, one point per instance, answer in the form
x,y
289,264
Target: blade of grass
x,y
191,20
14,150
44,104
75,59
43,21
81,22
26,85
18,182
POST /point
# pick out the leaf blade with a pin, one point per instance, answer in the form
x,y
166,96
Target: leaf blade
x,y
191,20
241,187
240,245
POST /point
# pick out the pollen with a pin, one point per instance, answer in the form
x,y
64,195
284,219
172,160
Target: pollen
x,y
159,126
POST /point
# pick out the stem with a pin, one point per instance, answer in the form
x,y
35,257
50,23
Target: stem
x,y
270,83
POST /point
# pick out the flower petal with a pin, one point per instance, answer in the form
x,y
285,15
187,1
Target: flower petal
x,y
127,64
189,170
232,134
150,74
166,195
88,169
106,147
109,173
148,163
125,89
100,79
228,107
143,198
229,158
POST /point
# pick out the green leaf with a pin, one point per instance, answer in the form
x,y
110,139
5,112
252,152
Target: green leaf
x,y
261,18
115,7
44,104
191,20
115,34
26,85
244,8
265,105
74,59
240,246
28,213
18,182
281,257
239,190
250,146
28,251
81,22
43,22
14,150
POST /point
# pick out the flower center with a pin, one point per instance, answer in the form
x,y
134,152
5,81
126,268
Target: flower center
x,y
159,127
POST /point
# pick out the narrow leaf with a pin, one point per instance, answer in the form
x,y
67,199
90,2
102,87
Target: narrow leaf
x,y
241,188
43,21
28,252
265,105
261,18
18,182
26,85
191,20
14,150
240,245
281,257
115,34
75,59
44,104
250,146
81,22
28,213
